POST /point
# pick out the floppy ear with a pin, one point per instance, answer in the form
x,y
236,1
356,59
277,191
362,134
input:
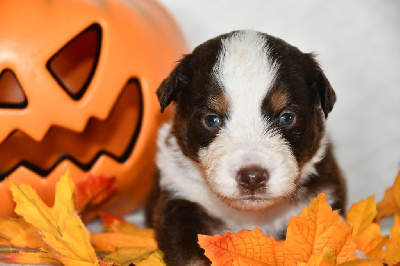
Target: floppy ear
x,y
324,89
327,95
170,87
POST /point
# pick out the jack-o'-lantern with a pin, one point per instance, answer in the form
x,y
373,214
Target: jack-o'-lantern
x,y
77,91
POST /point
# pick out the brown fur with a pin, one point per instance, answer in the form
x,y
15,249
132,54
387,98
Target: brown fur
x,y
300,87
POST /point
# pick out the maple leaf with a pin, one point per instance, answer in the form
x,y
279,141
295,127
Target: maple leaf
x,y
126,244
122,234
32,258
390,202
244,248
93,191
324,258
393,244
318,227
18,233
57,235
117,224
363,262
61,229
366,234
316,230
135,256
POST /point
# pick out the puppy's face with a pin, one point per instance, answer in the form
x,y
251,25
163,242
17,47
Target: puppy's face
x,y
250,111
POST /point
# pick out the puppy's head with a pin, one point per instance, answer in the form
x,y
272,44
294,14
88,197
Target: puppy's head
x,y
250,111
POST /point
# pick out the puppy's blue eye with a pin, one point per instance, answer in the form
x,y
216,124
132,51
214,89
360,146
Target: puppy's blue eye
x,y
287,119
212,121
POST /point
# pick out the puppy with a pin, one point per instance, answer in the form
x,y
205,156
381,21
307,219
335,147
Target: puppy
x,y
247,146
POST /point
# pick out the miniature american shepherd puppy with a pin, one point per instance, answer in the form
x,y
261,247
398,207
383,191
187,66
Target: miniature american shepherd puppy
x,y
247,146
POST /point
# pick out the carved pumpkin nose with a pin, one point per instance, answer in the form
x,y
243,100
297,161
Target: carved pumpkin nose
x,y
252,177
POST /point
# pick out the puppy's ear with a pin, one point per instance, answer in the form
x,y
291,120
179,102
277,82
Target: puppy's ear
x,y
326,93
171,86
324,89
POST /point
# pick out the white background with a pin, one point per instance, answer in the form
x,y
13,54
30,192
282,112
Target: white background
x,y
358,46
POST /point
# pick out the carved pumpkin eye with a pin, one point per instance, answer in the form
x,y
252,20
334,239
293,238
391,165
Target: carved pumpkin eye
x,y
73,66
11,92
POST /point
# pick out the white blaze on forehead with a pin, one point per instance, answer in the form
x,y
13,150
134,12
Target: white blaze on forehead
x,y
245,71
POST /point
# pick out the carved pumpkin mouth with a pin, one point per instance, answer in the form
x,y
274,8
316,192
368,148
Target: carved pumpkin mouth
x,y
114,137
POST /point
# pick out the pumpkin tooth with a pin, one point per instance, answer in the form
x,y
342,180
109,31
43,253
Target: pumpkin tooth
x,y
114,136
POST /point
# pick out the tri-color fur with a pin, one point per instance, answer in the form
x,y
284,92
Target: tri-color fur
x,y
252,169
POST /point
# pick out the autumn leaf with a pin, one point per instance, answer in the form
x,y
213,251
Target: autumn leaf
x,y
361,215
109,242
93,191
18,233
121,234
60,226
244,248
363,262
366,234
155,259
135,256
126,244
318,227
324,258
316,230
393,244
31,258
57,235
390,202
316,237
117,224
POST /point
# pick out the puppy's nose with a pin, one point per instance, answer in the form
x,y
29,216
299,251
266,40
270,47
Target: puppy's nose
x,y
252,177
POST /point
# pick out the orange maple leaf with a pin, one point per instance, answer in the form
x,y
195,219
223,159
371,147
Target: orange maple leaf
x,y
324,258
317,230
318,227
393,244
366,233
244,248
390,202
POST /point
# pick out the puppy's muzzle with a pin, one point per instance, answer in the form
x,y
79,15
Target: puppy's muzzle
x,y
252,178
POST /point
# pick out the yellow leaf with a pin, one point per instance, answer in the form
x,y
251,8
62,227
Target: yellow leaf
x,y
371,242
136,256
366,234
363,262
361,215
31,258
117,224
18,233
390,202
396,188
112,241
127,243
155,259
60,227
393,244
325,258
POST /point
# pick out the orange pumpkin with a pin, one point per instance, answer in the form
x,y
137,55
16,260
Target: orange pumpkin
x,y
77,92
